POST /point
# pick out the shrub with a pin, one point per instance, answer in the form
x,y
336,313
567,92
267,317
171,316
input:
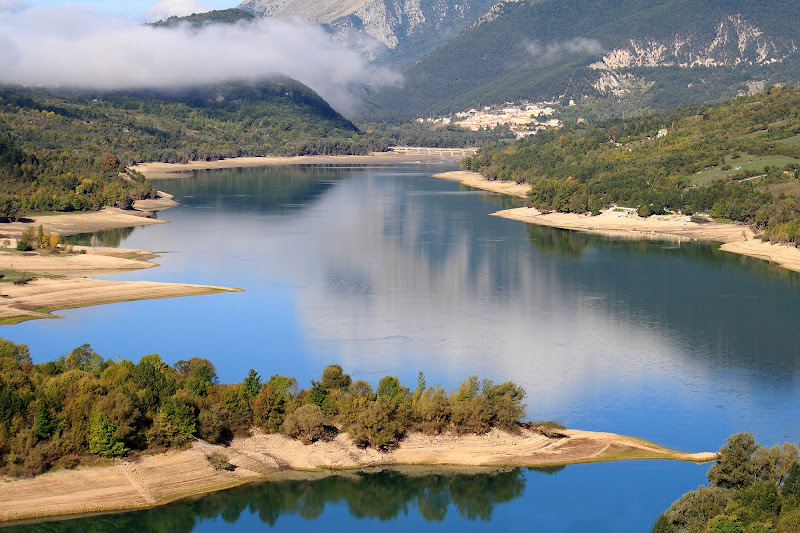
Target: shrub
x,y
434,409
214,426
305,423
381,424
220,461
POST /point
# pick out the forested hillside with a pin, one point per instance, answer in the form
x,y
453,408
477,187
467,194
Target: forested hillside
x,y
738,161
630,54
80,404
64,150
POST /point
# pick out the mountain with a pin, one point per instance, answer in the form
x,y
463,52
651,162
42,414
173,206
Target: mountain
x,y
633,54
394,32
196,20
280,116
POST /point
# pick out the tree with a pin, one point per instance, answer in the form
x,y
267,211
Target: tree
x,y
16,352
24,242
380,424
391,388
83,358
273,401
334,378
434,409
252,383
734,466
101,437
305,423
774,463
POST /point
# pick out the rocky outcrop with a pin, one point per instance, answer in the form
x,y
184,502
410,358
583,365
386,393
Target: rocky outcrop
x,y
735,43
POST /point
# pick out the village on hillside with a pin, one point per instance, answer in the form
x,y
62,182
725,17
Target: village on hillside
x,y
523,119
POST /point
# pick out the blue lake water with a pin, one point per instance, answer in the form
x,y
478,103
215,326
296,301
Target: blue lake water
x,y
386,270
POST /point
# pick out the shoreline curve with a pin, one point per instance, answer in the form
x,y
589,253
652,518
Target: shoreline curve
x,y
149,481
735,238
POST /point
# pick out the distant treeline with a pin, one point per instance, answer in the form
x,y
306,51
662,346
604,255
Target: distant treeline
x,y
56,412
436,135
651,162
64,182
752,489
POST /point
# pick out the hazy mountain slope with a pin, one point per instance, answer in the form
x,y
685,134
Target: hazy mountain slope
x,y
654,53
205,122
219,16
397,32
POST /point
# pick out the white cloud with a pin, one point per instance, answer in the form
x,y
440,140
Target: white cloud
x,y
83,48
554,51
178,8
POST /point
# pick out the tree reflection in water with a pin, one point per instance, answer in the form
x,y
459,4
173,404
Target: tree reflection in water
x,y
382,495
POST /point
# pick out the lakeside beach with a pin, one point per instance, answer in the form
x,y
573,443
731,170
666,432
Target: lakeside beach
x,y
735,238
57,281
182,170
148,481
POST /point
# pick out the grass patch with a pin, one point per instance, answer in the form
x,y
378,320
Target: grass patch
x,y
746,162
791,141
17,276
789,188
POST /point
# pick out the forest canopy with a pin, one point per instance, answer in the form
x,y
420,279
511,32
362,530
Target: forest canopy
x,y
55,413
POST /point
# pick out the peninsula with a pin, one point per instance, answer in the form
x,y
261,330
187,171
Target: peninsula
x,y
149,481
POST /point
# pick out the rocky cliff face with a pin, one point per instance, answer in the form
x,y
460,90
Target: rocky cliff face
x,y
736,43
400,31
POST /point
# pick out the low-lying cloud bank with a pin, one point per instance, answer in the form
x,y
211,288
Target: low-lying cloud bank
x,y
69,46
556,50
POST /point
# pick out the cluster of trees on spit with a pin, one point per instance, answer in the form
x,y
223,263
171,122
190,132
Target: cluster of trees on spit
x,y
656,163
752,489
54,413
64,181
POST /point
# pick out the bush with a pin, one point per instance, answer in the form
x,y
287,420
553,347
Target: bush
x,y
381,424
220,461
305,423
214,426
434,409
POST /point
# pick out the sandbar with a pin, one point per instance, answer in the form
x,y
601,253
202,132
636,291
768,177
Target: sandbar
x,y
59,282
149,481
736,237
64,224
182,170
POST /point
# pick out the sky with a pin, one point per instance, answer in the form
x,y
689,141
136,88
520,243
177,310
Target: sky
x,y
139,10
103,45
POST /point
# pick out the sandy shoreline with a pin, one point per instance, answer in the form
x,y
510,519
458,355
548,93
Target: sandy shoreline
x,y
64,224
65,285
181,170
149,481
736,238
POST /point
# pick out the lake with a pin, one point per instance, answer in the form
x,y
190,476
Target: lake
x,y
386,270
